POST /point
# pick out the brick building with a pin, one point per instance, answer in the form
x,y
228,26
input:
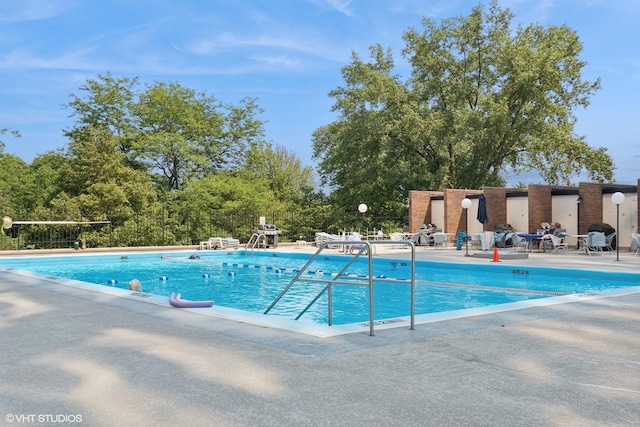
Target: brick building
x,y
576,208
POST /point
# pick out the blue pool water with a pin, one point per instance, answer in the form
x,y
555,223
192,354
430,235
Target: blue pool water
x,y
250,281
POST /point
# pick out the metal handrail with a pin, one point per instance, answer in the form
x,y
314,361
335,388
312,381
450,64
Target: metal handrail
x,y
341,279
256,242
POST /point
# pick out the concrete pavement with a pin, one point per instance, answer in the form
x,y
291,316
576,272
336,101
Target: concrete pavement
x,y
75,357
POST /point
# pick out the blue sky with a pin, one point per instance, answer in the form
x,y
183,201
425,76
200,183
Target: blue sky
x,y
286,53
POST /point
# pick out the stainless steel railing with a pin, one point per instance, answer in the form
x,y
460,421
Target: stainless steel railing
x,y
363,248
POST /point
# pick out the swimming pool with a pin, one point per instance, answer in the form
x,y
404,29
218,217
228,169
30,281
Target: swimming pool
x,y
249,282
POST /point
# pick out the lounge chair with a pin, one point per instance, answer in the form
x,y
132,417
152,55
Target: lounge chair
x,y
322,237
424,236
231,242
223,242
355,237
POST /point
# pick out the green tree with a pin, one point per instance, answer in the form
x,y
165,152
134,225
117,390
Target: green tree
x,y
186,135
171,131
241,130
106,105
47,170
482,99
18,190
174,126
288,179
99,180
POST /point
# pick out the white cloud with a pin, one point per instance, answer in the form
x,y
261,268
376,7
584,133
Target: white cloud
x,y
33,10
341,6
269,45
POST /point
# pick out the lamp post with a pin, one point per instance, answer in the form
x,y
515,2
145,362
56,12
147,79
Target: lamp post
x,y
466,204
617,198
579,202
362,208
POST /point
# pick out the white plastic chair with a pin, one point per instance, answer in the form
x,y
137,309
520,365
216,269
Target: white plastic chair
x,y
635,243
595,242
558,244
520,243
396,237
439,239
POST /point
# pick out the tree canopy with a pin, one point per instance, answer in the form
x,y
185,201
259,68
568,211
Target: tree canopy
x,y
482,100
173,132
163,151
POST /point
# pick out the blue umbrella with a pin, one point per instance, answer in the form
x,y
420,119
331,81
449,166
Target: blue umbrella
x,y
483,217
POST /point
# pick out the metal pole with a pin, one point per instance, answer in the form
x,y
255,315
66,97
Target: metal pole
x,y
329,305
617,232
413,285
466,231
579,202
371,314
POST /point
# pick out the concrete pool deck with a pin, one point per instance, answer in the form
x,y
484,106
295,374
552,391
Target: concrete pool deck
x,y
69,353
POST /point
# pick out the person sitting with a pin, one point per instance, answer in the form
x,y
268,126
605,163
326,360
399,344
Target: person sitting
x,y
555,231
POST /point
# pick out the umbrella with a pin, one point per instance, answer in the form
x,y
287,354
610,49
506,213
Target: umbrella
x,y
483,217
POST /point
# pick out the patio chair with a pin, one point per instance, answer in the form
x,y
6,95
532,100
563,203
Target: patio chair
x,y
609,242
595,242
635,243
355,237
558,244
520,243
439,239
396,237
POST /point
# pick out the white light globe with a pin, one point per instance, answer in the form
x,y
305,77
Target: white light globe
x,y
362,208
466,203
617,198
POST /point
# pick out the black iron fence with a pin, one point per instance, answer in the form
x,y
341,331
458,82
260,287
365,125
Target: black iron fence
x,y
166,227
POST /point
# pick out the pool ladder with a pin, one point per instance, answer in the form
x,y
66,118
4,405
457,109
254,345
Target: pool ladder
x,y
254,241
365,248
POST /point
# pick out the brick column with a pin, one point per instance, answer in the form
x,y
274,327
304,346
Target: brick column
x,y
591,206
419,209
496,198
454,219
539,206
637,224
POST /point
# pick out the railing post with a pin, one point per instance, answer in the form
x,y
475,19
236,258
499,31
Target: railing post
x,y
371,315
330,304
413,285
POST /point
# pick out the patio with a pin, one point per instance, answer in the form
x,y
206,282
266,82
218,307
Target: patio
x,y
121,362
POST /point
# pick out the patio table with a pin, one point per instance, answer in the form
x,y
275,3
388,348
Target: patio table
x,y
579,239
530,237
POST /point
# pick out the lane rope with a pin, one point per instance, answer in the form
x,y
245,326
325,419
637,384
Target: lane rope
x,y
361,276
